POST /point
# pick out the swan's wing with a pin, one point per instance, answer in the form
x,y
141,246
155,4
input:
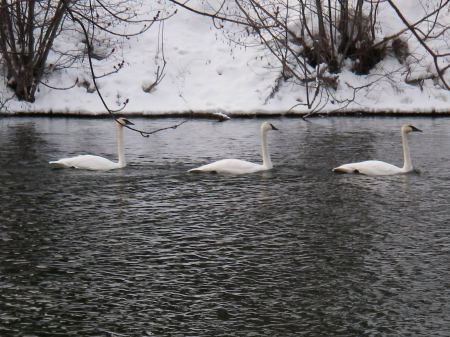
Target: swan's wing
x,y
86,162
369,167
234,166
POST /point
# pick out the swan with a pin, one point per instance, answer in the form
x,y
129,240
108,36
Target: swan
x,y
237,166
90,162
380,168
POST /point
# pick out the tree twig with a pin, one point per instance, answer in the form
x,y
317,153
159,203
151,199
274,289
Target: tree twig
x,y
143,133
435,56
57,88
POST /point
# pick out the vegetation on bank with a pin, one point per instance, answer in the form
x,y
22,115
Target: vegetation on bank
x,y
312,41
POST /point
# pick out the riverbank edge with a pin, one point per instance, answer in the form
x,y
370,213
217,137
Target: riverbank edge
x,y
220,115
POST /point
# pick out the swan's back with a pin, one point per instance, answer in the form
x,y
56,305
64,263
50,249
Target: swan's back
x,y
86,162
370,168
234,166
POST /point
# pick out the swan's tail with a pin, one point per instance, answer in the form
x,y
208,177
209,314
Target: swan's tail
x,y
200,169
345,169
58,164
204,168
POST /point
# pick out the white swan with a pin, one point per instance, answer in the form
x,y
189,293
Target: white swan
x,y
379,168
90,162
236,166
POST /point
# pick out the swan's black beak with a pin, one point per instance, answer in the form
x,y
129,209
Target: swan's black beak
x,y
413,128
273,127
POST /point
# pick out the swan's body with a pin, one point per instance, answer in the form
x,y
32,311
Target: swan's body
x,y
233,166
87,162
237,166
380,168
97,163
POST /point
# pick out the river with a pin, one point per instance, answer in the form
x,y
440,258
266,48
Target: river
x,y
151,250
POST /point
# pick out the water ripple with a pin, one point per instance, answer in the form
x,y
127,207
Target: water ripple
x,y
152,251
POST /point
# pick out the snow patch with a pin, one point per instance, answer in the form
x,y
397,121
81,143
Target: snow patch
x,y
205,72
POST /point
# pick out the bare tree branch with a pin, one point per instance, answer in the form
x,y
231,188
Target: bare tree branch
x,y
211,15
111,112
426,17
435,56
58,88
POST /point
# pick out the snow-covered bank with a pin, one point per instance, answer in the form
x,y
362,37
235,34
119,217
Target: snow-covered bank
x,y
207,73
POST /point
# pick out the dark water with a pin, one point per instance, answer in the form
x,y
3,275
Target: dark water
x,y
150,250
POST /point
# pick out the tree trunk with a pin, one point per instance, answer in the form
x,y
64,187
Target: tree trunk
x,y
24,56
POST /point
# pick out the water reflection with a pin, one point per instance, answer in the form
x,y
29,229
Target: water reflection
x,y
23,143
150,250
327,144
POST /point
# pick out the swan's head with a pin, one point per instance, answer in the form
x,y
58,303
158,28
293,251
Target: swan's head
x,y
123,121
410,128
267,126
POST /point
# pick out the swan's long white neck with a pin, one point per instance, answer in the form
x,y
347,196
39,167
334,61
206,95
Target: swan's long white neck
x,y
407,163
264,150
120,150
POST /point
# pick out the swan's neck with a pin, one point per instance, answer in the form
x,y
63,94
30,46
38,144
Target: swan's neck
x,y
265,151
407,163
120,150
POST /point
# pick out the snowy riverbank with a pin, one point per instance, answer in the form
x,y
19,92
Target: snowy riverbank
x,y
206,73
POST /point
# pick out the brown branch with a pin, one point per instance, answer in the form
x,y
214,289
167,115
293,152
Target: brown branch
x,y
143,30
111,112
435,57
3,102
116,70
56,88
213,16
387,38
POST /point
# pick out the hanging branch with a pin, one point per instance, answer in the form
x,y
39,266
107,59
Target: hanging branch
x,y
111,112
59,88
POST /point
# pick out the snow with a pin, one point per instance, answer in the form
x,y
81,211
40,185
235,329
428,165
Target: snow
x,y
207,73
